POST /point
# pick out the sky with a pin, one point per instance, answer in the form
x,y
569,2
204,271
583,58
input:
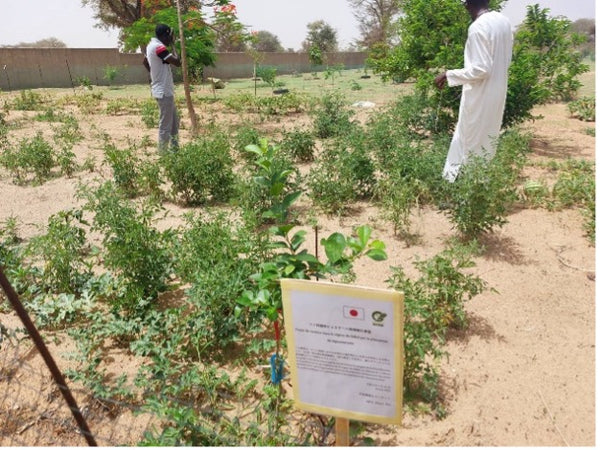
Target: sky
x,y
67,20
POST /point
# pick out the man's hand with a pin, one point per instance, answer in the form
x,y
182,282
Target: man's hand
x,y
440,80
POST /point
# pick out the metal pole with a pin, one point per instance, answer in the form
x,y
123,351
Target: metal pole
x,y
7,78
54,370
70,76
41,76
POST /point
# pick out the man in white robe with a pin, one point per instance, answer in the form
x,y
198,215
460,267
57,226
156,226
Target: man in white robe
x,y
484,79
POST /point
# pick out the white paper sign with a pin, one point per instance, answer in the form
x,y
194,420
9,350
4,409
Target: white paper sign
x,y
345,349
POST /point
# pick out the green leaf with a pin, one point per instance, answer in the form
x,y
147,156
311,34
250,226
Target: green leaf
x,y
364,233
334,246
377,254
377,244
298,239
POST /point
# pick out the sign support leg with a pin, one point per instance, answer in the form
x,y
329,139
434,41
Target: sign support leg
x,y
342,432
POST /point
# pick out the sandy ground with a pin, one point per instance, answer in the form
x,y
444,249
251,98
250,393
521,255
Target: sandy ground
x,y
522,374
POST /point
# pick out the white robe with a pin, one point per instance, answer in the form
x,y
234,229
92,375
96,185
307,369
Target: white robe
x,y
484,79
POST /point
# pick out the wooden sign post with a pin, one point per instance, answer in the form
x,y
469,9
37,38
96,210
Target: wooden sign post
x,y
342,432
345,351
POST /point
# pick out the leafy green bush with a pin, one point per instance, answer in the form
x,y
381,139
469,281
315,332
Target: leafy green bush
x,y
134,250
125,167
298,144
433,303
583,109
149,112
545,63
202,170
343,173
272,185
576,186
61,253
27,101
110,73
32,155
484,192
332,116
246,135
267,74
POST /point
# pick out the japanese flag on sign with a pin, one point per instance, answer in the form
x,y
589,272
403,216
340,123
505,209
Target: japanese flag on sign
x,y
351,312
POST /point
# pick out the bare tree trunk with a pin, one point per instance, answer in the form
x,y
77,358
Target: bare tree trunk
x,y
186,81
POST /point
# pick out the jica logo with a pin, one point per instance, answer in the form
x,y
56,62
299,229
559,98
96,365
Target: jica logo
x,y
378,318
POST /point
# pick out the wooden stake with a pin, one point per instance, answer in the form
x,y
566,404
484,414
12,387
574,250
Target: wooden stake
x,y
184,67
342,432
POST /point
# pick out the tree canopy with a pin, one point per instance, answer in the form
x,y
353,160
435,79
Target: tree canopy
x,y
50,42
375,21
321,36
265,41
122,14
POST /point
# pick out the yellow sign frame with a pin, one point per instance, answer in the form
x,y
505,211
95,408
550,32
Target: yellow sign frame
x,y
360,293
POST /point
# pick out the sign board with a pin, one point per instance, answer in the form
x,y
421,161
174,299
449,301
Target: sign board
x,y
345,349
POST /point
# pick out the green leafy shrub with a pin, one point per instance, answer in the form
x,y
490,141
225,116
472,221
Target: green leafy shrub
x,y
342,174
27,101
294,261
583,109
272,185
332,116
433,303
125,166
61,253
267,74
246,135
299,145
576,186
110,73
202,170
134,250
149,112
484,192
32,155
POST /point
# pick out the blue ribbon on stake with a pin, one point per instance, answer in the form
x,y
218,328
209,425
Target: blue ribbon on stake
x,y
276,369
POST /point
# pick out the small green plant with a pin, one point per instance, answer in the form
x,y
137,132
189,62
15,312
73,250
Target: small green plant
x,y
484,191
125,165
299,144
84,82
149,112
110,74
343,174
433,303
576,187
61,252
332,116
267,74
583,109
27,101
355,85
202,170
246,135
32,155
136,252
294,261
331,71
272,190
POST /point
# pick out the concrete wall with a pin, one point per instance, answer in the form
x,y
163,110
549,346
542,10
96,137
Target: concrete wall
x,y
25,68
28,68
